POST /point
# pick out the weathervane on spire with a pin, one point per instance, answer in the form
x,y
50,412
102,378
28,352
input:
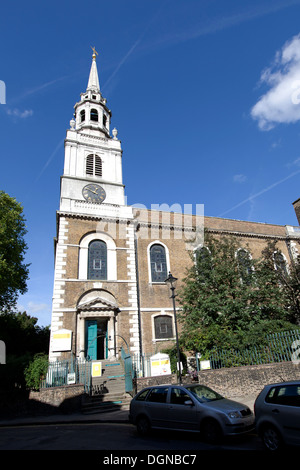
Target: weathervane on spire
x,y
94,52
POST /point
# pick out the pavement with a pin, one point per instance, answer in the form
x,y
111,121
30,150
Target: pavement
x,y
114,416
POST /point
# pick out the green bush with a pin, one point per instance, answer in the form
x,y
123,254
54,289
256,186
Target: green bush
x,y
36,370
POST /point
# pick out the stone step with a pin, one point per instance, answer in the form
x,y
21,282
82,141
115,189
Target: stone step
x,y
106,402
112,380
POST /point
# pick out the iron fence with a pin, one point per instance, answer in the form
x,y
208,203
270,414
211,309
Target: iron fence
x,y
278,347
68,372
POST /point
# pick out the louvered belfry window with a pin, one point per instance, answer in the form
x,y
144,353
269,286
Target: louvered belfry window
x,y
93,165
158,262
97,260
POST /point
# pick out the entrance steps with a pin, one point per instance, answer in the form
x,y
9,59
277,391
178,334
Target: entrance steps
x,y
108,391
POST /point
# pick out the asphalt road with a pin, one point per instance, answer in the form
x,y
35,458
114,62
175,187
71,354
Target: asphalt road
x,y
112,437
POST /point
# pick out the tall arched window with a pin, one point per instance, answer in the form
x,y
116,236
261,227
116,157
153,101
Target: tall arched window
x,y
280,263
94,115
97,260
93,165
82,115
163,327
158,262
203,262
245,265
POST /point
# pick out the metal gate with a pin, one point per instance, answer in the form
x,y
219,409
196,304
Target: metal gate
x,y
128,370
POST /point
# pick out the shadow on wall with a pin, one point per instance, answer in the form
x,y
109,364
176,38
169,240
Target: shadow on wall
x,y
43,403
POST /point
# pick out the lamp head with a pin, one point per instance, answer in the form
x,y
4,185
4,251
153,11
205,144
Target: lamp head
x,y
171,280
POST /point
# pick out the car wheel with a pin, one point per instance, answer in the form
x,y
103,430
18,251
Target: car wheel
x,y
211,431
271,438
143,426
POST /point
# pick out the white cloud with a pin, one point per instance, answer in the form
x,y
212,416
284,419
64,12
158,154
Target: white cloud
x,y
281,103
239,178
19,114
34,307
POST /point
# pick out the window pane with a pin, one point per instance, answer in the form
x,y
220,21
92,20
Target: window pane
x,y
158,263
245,268
280,263
163,327
158,395
94,115
97,262
178,396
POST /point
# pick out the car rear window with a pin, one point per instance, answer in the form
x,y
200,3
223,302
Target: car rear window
x,y
284,395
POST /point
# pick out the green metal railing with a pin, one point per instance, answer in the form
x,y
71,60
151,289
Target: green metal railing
x,y
62,373
278,347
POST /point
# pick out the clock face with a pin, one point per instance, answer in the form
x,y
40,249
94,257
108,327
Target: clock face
x,y
93,193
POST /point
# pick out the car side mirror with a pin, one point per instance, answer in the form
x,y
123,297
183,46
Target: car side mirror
x,y
189,403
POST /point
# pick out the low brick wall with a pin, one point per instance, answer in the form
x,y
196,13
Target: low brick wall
x,y
65,399
234,381
248,380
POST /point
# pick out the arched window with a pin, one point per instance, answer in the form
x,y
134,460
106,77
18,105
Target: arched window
x,y
82,115
158,262
97,260
203,263
280,263
104,120
93,165
94,115
203,255
245,265
163,327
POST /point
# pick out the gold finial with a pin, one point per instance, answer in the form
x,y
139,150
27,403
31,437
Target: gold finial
x,y
94,52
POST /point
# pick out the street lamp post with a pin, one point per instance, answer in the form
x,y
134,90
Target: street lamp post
x,y
171,281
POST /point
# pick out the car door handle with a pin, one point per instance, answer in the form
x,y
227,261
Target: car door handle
x,y
275,410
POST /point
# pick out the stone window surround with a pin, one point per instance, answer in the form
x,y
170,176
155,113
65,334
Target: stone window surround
x,y
157,242
111,255
159,314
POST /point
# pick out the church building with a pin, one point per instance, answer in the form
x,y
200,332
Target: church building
x,y
111,259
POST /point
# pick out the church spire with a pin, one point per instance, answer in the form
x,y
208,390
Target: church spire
x,y
92,116
93,83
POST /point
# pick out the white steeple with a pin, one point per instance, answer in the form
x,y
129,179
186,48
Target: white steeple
x,y
93,158
91,113
93,83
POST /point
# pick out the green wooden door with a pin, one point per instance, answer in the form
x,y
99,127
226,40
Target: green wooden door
x,y
91,339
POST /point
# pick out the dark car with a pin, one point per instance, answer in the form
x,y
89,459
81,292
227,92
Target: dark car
x,y
277,413
189,408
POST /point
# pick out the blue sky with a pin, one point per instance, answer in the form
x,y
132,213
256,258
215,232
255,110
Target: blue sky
x,y
205,95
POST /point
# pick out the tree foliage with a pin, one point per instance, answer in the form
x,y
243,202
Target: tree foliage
x,y
36,369
23,339
229,299
13,270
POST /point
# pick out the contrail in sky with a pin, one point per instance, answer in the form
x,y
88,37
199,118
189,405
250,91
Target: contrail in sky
x,y
250,198
50,159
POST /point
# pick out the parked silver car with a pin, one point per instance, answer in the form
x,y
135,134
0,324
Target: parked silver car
x,y
189,408
277,413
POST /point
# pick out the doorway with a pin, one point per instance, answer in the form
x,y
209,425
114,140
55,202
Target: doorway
x,y
96,339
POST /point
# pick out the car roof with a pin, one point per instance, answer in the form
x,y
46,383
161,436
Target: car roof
x,y
172,385
282,384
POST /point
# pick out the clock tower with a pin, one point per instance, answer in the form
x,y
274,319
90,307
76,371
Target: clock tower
x,y
95,287
93,160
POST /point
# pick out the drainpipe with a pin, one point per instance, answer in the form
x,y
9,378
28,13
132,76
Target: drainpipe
x,y
138,292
